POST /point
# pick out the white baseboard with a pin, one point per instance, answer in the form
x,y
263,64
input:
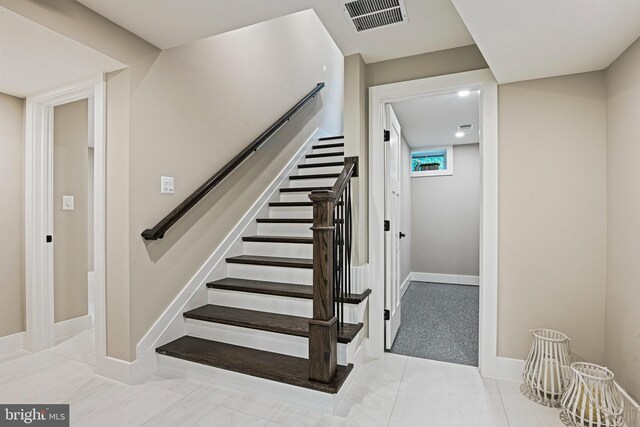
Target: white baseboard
x,y
12,343
454,279
405,284
506,369
72,326
170,325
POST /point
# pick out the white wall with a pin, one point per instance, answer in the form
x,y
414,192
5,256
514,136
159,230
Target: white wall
x,y
445,221
622,330
405,211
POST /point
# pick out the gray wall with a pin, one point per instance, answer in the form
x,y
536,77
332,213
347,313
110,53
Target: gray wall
x,y
405,211
70,168
445,217
12,218
622,330
90,210
356,122
430,64
552,210
197,107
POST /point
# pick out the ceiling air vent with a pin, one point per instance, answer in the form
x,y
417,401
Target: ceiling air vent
x,y
368,14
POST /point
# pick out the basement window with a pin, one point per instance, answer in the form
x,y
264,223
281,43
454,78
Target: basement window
x,y
432,162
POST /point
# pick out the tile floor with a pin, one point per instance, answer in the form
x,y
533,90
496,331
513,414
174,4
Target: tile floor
x,y
392,391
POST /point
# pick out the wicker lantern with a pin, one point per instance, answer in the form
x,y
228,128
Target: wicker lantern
x,y
546,371
592,398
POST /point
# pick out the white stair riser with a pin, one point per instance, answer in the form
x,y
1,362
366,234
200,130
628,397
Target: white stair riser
x,y
286,229
314,160
292,250
323,169
270,273
353,313
298,196
261,340
291,212
321,149
316,182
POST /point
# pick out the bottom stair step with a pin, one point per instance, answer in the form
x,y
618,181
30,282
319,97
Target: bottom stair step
x,y
265,321
262,364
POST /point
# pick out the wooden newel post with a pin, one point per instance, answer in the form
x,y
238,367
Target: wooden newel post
x,y
323,328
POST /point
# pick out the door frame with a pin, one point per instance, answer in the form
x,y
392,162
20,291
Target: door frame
x,y
484,81
38,209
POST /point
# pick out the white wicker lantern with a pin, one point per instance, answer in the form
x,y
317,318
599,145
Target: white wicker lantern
x,y
592,399
546,374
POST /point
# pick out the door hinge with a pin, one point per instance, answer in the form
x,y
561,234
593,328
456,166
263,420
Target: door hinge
x,y
49,238
387,315
387,136
387,225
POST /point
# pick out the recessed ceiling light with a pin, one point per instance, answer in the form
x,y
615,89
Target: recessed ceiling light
x,y
463,93
459,134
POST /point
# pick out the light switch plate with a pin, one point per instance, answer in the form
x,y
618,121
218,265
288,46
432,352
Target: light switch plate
x,y
67,203
167,185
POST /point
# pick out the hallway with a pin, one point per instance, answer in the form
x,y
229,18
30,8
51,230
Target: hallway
x,y
439,322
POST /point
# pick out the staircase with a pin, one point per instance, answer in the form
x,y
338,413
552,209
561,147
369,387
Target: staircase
x,y
257,320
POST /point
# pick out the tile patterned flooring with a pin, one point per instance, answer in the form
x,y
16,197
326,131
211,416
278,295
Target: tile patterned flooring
x,y
392,391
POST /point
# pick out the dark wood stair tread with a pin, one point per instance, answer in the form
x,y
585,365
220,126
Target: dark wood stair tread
x,y
272,260
265,321
249,361
316,155
286,220
293,204
315,176
303,189
334,145
279,239
320,165
278,289
329,138
290,204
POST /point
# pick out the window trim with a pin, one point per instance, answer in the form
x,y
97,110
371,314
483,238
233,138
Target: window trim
x,y
448,149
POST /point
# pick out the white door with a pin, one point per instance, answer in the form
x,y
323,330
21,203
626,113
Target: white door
x,y
392,237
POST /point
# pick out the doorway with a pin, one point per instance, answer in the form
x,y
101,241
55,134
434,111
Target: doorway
x,y
64,214
72,216
438,219
379,96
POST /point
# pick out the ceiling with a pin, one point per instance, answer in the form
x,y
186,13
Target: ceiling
x,y
34,58
433,121
432,24
523,40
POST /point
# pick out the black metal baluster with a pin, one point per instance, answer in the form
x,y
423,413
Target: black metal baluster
x,y
335,262
340,262
349,235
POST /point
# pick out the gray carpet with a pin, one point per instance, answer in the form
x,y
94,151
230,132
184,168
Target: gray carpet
x,y
439,322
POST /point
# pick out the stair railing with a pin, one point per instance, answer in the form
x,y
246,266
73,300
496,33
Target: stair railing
x,y
332,237
157,232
